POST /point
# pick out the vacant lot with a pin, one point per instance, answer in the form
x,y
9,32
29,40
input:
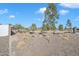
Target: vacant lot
x,y
44,44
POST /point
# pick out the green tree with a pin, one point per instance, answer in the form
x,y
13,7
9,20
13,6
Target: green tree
x,y
61,27
69,24
54,27
45,27
33,27
18,26
51,15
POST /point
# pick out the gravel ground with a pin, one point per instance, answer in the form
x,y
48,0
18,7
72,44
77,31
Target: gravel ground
x,y
44,44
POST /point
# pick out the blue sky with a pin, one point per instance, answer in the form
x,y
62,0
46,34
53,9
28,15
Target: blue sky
x,y
29,13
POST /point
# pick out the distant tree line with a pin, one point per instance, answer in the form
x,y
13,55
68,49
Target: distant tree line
x,y
45,27
50,20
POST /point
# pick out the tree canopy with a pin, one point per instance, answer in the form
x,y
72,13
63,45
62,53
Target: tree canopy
x,y
61,27
18,26
69,24
33,27
51,15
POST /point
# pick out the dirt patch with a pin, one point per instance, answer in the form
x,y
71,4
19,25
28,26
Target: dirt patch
x,y
46,44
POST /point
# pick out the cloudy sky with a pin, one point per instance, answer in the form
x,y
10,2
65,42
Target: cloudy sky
x,y
26,14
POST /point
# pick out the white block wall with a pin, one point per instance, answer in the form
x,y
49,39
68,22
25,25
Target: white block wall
x,y
4,30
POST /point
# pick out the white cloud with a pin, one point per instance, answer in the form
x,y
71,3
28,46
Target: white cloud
x,y
63,12
11,16
3,11
70,5
41,10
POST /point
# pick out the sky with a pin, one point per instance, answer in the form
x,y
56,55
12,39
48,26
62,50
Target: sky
x,y
28,13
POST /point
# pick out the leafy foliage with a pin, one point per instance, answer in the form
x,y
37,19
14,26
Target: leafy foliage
x,y
53,27
69,24
33,27
61,27
18,26
45,27
50,16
